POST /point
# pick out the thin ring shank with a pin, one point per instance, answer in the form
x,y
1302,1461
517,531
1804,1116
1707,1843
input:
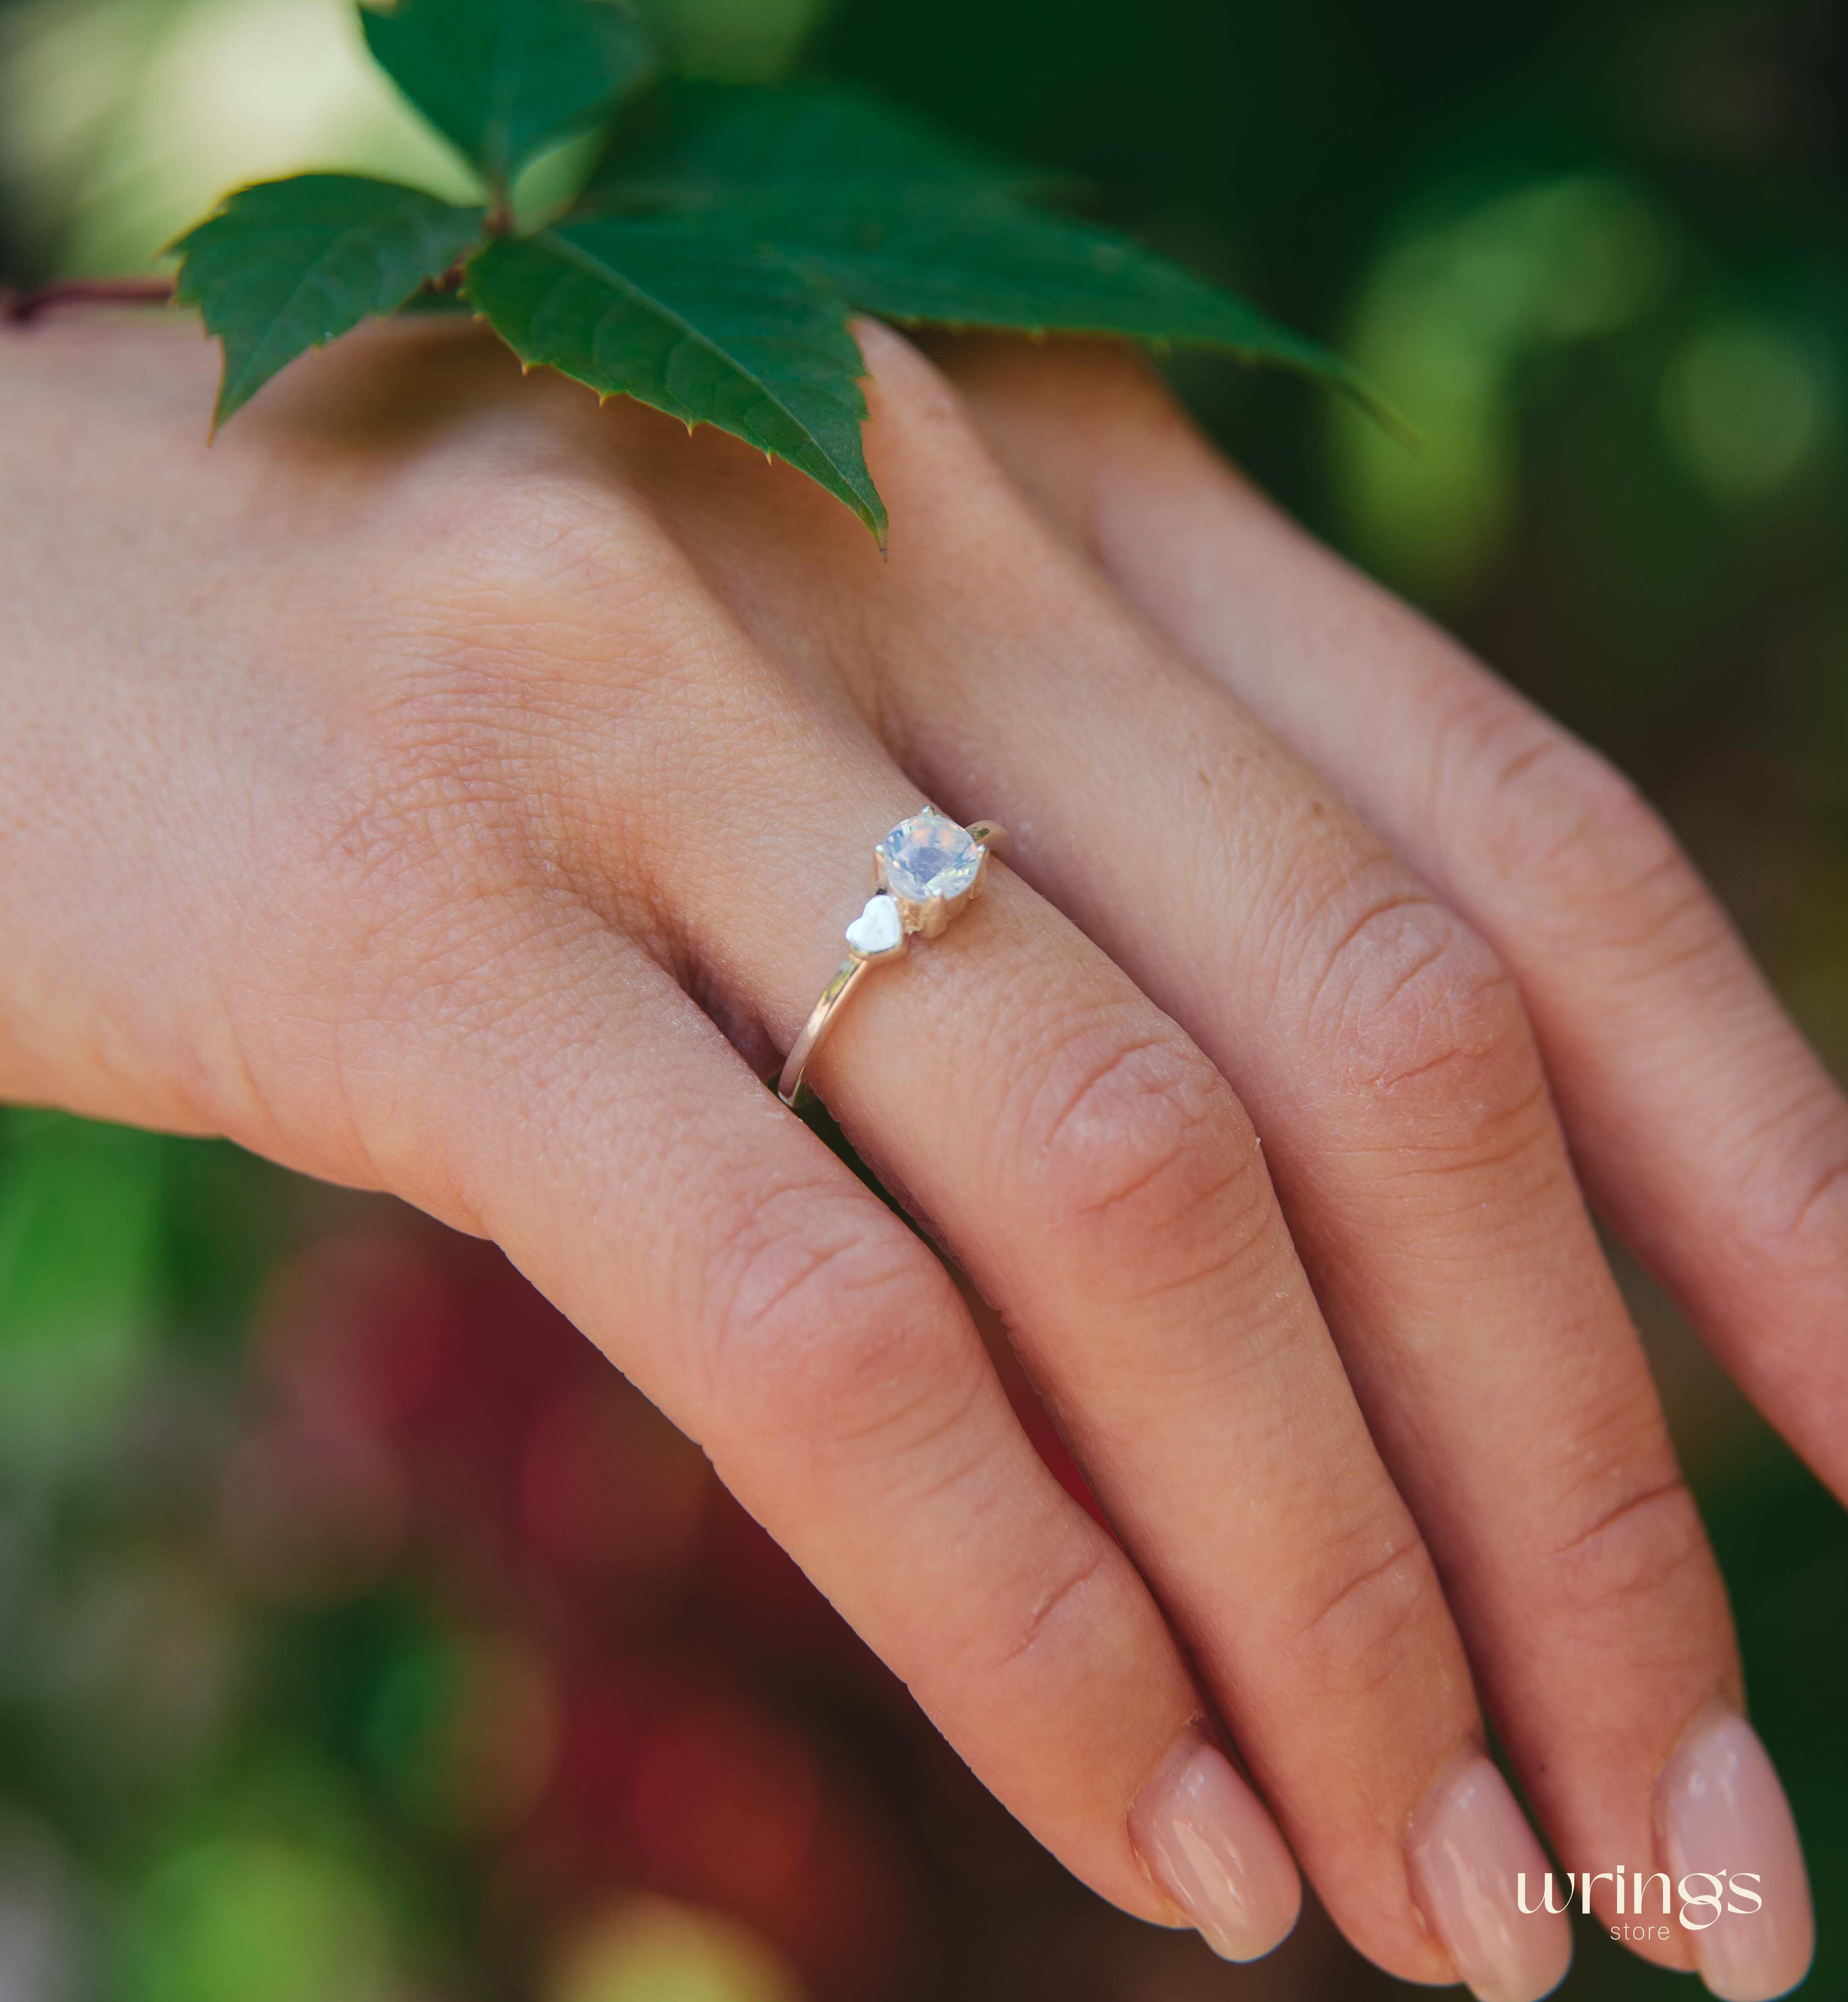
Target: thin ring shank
x,y
789,1085
987,835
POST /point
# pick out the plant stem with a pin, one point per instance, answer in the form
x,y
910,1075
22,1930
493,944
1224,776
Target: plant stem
x,y
23,306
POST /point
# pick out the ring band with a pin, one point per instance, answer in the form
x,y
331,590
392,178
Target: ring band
x,y
925,872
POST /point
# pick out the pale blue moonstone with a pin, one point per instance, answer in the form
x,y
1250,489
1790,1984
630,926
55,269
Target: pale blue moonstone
x,y
928,855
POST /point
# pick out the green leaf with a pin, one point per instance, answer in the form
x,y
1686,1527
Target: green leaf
x,y
501,79
700,145
288,265
930,262
919,228
700,322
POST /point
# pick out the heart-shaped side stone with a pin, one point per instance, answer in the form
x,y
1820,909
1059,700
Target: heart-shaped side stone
x,y
878,933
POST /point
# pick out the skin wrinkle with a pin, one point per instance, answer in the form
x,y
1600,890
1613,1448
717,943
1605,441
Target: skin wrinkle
x,y
1579,1491
615,869
1495,1140
1052,1640
1365,1637
1250,1358
442,811
1055,1600
1239,1249
1444,1025
1146,1087
1284,879
740,1307
1243,1227
1767,1148
1631,1528
1568,833
1831,1191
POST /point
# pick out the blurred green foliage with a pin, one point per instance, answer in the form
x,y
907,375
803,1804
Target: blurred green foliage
x,y
78,1242
359,1636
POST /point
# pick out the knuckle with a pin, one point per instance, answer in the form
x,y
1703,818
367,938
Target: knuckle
x,y
824,1319
1791,1195
1650,1545
1415,1014
1378,1622
1054,1624
554,596
1138,1146
520,532
1565,822
514,737
1817,1219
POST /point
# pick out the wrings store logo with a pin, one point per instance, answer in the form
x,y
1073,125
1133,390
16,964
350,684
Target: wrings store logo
x,y
1696,1901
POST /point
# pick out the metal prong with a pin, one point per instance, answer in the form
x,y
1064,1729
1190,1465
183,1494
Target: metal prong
x,y
924,917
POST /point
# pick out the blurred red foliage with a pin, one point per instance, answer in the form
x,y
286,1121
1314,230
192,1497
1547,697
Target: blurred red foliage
x,y
460,1425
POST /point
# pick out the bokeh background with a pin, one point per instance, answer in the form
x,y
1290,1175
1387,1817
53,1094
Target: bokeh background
x,y
363,1637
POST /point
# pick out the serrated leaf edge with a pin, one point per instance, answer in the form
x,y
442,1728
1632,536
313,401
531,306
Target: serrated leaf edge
x,y
227,405
870,508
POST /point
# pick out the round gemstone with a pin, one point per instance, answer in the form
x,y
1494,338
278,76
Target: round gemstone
x,y
928,855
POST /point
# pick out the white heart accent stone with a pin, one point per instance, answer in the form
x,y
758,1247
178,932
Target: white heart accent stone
x,y
876,933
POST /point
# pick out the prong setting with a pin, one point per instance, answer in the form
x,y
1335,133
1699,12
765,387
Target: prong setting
x,y
931,867
924,872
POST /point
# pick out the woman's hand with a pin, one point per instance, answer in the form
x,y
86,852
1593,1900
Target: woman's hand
x,y
441,787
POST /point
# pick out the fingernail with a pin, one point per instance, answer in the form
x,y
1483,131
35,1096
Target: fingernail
x,y
1208,1841
1721,1816
1469,1850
